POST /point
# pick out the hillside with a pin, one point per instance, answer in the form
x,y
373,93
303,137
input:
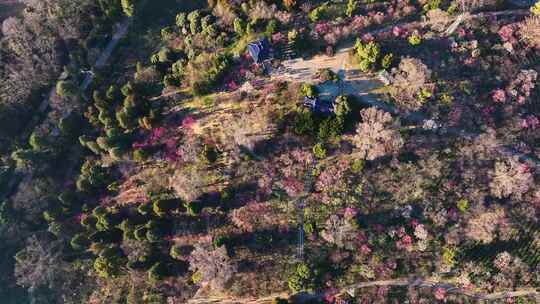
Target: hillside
x,y
270,152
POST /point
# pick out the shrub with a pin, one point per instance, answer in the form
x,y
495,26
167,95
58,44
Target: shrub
x,y
193,208
304,123
109,262
145,208
387,61
157,272
309,90
163,207
415,39
302,279
65,88
140,155
79,242
319,151
155,231
140,233
330,127
367,53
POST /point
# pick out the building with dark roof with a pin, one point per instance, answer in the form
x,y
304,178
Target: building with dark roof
x,y
318,105
260,50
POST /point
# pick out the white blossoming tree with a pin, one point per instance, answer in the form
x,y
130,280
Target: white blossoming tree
x,y
378,134
340,232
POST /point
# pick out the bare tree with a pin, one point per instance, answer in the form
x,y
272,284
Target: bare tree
x,y
40,264
188,182
212,265
251,128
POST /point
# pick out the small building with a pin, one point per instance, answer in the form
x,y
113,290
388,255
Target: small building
x,y
318,105
260,50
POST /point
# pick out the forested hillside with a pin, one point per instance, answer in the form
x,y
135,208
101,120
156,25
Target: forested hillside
x,y
290,151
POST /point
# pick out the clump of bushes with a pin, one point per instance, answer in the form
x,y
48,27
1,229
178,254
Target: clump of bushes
x,y
309,90
302,279
205,71
93,177
109,262
327,75
367,54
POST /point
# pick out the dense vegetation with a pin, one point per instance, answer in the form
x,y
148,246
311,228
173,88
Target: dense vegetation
x,y
179,168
